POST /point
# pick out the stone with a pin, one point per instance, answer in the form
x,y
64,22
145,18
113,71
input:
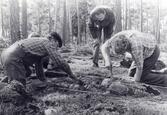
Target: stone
x,y
118,89
106,82
53,111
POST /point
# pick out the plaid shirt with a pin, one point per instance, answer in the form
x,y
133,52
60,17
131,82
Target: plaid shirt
x,y
43,47
142,45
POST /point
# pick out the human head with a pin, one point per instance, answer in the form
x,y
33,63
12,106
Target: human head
x,y
98,13
56,37
121,44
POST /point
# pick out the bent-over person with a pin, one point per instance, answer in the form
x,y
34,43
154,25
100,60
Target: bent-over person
x,y
101,19
144,50
18,57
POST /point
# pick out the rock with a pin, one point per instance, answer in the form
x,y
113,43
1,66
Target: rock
x,y
106,82
76,86
96,113
118,89
52,111
99,107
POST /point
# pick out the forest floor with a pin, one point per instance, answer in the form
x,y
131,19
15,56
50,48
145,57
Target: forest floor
x,y
102,96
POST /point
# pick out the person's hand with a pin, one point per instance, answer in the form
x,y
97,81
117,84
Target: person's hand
x,y
78,81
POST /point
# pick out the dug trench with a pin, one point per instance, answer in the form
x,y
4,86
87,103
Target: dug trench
x,y
100,96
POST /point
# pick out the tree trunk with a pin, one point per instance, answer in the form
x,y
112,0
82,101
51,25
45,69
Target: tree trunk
x,y
14,20
78,23
57,8
50,23
157,29
141,15
129,16
24,19
39,21
70,24
2,21
126,15
118,16
85,31
64,23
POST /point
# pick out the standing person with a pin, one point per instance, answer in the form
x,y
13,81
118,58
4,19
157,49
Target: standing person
x,y
101,19
144,50
31,51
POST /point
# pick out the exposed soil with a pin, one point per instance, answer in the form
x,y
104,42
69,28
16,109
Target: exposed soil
x,y
101,96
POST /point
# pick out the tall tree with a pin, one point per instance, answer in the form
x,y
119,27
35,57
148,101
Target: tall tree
x,y
157,28
126,14
78,23
129,22
57,9
24,19
141,15
14,20
118,27
50,21
39,17
65,23
2,19
70,23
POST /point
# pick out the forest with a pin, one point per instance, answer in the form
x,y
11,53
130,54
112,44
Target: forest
x,y
19,18
60,95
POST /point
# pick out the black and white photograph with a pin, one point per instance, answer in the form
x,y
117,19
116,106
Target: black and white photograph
x,y
83,57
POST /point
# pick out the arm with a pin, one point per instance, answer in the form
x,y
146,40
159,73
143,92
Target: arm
x,y
106,55
137,55
58,60
39,70
138,74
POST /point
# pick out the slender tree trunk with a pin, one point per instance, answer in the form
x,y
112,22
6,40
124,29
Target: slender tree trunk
x,y
64,23
157,29
14,20
147,21
57,9
24,19
126,15
50,23
70,24
2,19
85,31
118,16
141,15
39,20
129,23
78,23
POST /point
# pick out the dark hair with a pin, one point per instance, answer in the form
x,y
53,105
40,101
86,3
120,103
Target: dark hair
x,y
57,37
121,44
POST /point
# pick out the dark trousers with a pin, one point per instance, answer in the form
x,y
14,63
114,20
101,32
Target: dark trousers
x,y
148,76
17,62
13,64
96,34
